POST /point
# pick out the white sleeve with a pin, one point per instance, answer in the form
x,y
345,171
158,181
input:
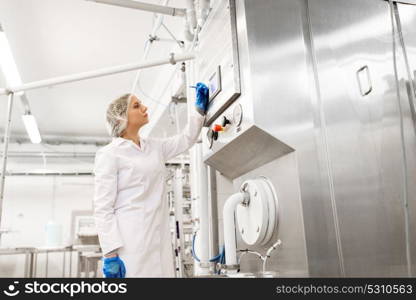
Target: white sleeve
x,y
105,193
177,144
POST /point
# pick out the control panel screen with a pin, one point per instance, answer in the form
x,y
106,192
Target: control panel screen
x,y
215,84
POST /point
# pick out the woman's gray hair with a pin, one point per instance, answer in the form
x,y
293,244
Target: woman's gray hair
x,y
117,115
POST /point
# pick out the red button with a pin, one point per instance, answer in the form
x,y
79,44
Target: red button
x,y
218,128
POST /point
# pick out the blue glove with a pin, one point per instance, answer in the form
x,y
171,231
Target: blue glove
x,y
113,267
202,98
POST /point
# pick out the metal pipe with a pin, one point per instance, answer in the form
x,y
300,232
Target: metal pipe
x,y
47,263
190,21
4,157
50,173
59,140
269,252
407,64
178,202
102,72
157,23
411,2
213,215
230,241
70,263
63,265
191,14
203,239
204,7
37,154
159,9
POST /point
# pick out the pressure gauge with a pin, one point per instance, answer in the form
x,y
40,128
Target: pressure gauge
x,y
237,115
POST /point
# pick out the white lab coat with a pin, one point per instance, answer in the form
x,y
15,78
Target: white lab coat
x,y
130,204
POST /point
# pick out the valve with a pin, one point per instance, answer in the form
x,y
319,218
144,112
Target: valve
x,y
225,121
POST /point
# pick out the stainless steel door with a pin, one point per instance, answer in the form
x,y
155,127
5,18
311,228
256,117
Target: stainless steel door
x,y
361,129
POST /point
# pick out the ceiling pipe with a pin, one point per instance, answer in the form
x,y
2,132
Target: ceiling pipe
x,y
158,21
62,140
49,173
204,8
189,13
102,72
190,21
159,9
411,2
37,154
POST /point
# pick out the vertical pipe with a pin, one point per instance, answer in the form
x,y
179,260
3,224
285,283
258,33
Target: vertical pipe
x,y
79,262
230,240
31,263
203,233
178,200
35,264
47,263
194,180
213,215
407,63
26,272
4,158
63,264
70,263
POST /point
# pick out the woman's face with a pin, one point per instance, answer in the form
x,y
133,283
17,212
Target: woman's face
x,y
137,113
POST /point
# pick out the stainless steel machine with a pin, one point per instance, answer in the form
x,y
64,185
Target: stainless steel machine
x,y
318,97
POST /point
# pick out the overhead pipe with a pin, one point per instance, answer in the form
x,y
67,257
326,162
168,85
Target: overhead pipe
x,y
101,72
159,9
35,154
157,23
52,173
204,7
190,21
59,140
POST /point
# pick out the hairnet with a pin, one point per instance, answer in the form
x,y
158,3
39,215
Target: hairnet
x,y
117,115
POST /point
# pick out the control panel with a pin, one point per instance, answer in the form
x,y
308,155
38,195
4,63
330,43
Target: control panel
x,y
226,126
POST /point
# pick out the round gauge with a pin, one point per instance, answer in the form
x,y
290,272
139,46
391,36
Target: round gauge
x,y
237,115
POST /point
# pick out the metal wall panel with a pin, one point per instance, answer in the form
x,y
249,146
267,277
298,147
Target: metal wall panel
x,y
362,133
285,104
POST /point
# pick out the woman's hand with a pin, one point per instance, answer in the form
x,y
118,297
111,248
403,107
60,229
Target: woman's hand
x,y
202,98
113,267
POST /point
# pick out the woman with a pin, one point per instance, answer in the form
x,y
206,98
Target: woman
x,y
130,205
